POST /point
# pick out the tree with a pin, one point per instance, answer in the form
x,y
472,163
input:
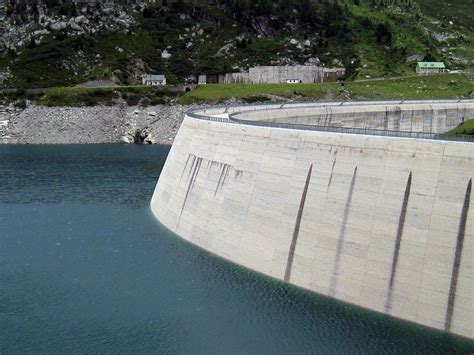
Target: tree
x,y
383,33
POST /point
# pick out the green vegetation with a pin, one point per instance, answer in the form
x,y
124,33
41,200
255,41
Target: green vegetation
x,y
459,11
133,95
260,92
79,97
371,38
464,128
447,86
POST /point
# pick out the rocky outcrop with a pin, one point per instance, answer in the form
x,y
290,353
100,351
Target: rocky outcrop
x,y
35,21
2,29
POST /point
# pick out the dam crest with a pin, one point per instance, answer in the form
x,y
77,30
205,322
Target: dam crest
x,y
366,202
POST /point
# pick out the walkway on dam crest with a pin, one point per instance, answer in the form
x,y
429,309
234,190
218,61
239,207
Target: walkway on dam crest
x,y
229,115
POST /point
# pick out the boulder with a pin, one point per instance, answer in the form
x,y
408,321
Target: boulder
x,y
149,140
127,139
40,33
80,19
58,26
415,58
76,27
165,54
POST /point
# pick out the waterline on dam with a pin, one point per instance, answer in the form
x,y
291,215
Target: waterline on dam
x,y
84,267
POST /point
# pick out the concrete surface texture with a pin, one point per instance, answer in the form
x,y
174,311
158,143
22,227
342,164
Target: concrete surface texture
x,y
304,73
384,223
419,117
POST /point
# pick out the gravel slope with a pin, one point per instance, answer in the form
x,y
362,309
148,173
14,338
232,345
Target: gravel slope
x,y
88,125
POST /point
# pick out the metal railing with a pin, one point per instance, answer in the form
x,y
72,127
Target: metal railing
x,y
359,131
201,113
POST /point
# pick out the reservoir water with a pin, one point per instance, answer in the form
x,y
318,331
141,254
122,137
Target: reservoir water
x,y
85,268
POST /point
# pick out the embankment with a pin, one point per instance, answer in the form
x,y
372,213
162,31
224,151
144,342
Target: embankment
x,y
382,222
89,125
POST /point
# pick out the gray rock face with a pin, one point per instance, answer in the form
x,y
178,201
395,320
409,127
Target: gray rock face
x,y
442,37
88,125
18,31
415,58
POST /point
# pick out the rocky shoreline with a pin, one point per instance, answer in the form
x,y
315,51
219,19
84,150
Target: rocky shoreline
x,y
90,125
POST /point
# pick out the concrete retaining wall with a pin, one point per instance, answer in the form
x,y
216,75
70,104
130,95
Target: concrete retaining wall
x,y
304,73
384,223
428,118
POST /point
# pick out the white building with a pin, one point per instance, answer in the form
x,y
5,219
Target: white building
x,y
202,79
430,67
154,80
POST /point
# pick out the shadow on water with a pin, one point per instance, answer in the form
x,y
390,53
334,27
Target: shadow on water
x,y
84,267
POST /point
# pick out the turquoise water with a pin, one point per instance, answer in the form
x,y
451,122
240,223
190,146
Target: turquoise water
x,y
84,267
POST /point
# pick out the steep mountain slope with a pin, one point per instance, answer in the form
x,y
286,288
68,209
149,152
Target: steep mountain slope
x,y
54,44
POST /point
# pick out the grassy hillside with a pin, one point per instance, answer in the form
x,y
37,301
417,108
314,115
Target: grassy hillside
x,y
447,86
370,38
464,128
458,11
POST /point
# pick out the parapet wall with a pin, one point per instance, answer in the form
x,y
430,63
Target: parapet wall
x,y
384,223
424,117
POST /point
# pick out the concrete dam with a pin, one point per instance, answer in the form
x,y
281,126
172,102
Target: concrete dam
x,y
364,202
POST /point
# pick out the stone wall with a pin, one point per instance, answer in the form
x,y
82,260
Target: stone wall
x,y
383,223
237,78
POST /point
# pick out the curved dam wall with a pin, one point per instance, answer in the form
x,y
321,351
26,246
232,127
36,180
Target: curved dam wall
x,y
420,117
380,222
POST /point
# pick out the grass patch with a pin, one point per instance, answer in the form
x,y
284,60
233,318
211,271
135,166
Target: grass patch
x,y
464,128
133,95
260,92
79,96
447,86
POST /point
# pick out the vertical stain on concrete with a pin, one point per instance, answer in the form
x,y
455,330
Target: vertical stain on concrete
x,y
195,173
398,241
291,252
186,165
192,165
225,168
238,174
385,119
340,242
330,176
221,176
457,257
